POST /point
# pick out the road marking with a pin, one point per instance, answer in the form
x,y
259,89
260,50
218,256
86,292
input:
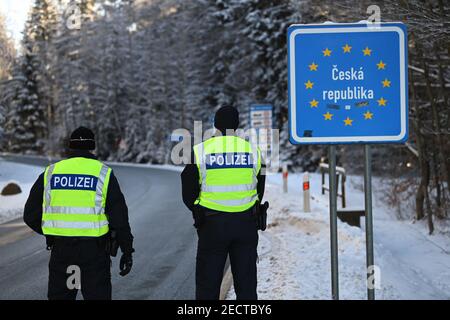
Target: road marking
x,y
12,225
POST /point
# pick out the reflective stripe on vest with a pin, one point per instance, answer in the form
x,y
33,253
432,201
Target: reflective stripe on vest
x,y
237,187
68,184
236,202
234,188
74,224
74,210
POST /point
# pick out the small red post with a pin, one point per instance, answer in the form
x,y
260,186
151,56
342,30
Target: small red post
x,y
285,178
306,193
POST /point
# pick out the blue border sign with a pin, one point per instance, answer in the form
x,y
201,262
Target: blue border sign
x,y
348,83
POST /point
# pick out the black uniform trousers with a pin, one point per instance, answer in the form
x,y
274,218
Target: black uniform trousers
x,y
93,261
223,234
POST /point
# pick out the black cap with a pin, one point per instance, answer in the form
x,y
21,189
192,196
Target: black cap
x,y
226,118
82,138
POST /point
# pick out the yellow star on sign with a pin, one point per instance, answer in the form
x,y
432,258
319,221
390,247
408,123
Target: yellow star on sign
x,y
381,65
386,83
309,84
328,115
367,51
326,52
382,101
368,115
313,67
348,121
313,103
347,48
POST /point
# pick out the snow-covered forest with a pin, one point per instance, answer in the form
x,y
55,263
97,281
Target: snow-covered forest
x,y
134,70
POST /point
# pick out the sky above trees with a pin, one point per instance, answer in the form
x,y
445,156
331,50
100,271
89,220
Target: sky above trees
x,y
15,13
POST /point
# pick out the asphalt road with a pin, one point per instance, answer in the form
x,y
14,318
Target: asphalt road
x,y
165,242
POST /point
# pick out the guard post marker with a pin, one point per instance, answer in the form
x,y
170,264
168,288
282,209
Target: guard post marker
x,y
306,193
285,178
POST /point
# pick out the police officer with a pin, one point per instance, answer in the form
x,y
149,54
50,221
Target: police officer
x,y
77,203
221,188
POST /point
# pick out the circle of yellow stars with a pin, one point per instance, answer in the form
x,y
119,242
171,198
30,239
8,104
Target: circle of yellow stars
x,y
381,65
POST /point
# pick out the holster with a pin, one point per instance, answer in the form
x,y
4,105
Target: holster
x,y
49,241
112,245
198,214
260,212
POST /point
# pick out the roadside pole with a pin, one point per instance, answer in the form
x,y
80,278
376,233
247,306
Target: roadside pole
x,y
306,193
333,223
369,222
285,178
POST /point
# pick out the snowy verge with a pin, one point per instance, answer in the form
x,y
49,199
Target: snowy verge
x,y
11,207
295,249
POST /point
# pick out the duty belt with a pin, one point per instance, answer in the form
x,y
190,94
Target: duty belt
x,y
210,212
74,240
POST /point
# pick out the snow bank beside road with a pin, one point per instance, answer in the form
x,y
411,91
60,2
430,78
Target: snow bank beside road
x,y
11,207
295,249
296,264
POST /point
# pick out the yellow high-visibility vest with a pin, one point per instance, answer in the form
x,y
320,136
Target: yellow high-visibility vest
x,y
228,168
74,201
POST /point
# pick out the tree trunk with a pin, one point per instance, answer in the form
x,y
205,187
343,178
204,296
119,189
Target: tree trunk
x,y
435,121
423,187
421,149
430,212
444,94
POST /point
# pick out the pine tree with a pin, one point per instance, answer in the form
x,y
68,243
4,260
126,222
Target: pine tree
x,y
41,30
7,56
25,127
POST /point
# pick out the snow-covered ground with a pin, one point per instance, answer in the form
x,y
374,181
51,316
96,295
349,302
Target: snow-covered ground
x,y
11,207
294,251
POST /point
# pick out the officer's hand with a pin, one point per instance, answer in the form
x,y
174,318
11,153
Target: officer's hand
x,y
199,216
126,262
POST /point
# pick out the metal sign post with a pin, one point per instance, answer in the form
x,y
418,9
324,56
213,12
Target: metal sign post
x,y
369,224
333,224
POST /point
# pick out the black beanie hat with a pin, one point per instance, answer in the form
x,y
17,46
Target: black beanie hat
x,y
82,139
226,118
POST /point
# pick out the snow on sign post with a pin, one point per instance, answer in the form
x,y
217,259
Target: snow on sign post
x,y
348,84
